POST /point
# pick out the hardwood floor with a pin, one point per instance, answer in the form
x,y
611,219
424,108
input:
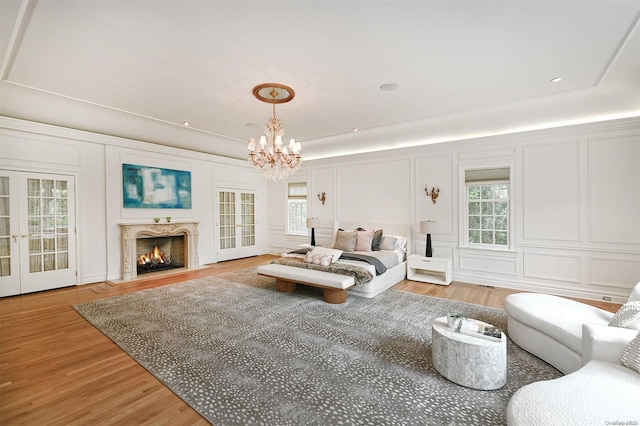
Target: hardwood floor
x,y
57,369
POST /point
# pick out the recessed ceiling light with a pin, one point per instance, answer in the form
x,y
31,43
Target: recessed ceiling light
x,y
556,80
254,125
387,87
355,129
185,123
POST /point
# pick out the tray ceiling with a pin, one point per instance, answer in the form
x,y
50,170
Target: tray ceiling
x,y
457,69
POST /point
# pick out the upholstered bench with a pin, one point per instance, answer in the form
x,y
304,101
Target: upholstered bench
x,y
334,286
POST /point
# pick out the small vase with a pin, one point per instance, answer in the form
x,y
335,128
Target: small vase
x,y
452,322
168,219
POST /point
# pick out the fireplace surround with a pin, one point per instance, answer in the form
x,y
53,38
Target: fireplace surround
x,y
131,232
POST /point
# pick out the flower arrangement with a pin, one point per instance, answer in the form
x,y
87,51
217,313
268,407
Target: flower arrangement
x,y
455,320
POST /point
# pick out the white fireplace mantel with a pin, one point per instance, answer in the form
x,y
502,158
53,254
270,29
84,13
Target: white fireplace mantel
x,y
129,232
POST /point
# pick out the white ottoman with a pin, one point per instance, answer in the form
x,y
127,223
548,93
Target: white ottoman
x,y
467,360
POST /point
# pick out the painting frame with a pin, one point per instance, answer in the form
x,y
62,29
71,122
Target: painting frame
x,y
147,187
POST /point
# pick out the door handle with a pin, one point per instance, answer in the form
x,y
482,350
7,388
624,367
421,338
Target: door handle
x,y
15,237
24,235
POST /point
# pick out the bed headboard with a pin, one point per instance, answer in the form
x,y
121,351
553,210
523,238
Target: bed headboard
x,y
403,229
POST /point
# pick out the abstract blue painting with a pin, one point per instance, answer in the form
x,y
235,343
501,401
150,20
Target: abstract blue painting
x,y
155,188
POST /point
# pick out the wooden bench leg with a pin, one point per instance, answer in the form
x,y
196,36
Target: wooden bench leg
x,y
335,295
285,286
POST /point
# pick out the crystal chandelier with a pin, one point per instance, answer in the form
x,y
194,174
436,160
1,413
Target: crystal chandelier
x,y
270,157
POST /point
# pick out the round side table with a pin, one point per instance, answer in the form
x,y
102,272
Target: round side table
x,y
469,361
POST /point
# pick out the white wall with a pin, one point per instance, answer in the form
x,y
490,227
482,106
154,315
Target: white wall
x,y
96,162
575,205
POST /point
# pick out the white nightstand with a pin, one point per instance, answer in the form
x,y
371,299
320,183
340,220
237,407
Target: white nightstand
x,y
436,270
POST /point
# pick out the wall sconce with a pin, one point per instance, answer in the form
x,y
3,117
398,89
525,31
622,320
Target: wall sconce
x,y
433,194
322,197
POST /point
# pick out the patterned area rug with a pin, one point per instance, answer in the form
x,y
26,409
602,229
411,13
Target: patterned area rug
x,y
241,353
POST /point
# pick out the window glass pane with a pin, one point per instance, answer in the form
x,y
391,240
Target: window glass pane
x,y
33,186
35,263
474,222
501,207
61,187
474,237
62,207
487,237
487,207
48,205
47,188
501,222
474,208
35,244
49,245
4,226
34,225
5,246
4,206
4,185
49,262
63,260
487,222
473,193
5,267
501,238
34,206
63,242
487,192
501,191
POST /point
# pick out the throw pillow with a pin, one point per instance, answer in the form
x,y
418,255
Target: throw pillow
x,y
364,240
335,254
346,240
628,316
631,355
318,259
388,243
377,239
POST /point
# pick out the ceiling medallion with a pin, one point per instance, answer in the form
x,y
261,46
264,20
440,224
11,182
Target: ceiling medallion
x,y
270,157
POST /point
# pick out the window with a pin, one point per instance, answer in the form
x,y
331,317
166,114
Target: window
x,y
487,207
297,208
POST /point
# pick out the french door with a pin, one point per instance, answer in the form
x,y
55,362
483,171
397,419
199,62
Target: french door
x,y
37,232
236,224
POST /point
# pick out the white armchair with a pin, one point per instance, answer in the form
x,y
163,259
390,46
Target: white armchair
x,y
602,387
565,333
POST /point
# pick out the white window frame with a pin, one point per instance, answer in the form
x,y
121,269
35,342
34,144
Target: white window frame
x,y
293,200
464,206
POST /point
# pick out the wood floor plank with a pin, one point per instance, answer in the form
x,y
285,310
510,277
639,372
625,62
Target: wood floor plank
x,y
57,369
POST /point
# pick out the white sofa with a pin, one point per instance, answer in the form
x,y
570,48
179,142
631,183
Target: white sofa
x,y
551,328
599,387
599,393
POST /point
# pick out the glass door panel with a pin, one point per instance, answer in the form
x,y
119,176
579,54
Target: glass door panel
x,y
236,224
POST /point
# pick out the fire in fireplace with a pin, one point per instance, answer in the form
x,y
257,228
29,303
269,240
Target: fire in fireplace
x,y
154,257
159,254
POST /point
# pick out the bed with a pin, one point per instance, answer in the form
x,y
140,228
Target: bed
x,y
392,248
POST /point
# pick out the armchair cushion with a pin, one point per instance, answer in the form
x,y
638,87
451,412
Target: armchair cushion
x,y
603,343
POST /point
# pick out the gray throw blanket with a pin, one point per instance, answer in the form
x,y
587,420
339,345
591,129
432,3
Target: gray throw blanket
x,y
360,275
